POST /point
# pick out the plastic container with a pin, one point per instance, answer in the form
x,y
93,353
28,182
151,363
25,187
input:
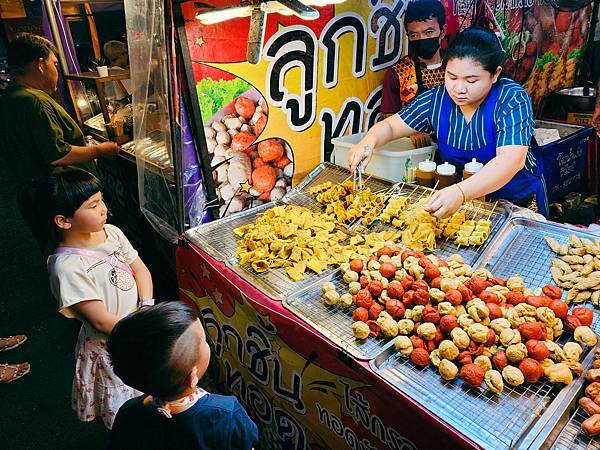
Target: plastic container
x,y
445,175
390,162
563,161
426,173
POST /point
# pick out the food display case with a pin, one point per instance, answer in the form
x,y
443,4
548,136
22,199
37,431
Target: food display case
x,y
300,330
103,104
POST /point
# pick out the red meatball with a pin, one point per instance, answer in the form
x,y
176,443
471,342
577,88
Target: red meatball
x,y
244,107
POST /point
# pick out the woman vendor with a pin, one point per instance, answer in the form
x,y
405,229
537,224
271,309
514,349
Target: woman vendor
x,y
475,114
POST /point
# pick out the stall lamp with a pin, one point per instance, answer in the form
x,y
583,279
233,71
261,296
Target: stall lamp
x,y
222,14
300,8
258,12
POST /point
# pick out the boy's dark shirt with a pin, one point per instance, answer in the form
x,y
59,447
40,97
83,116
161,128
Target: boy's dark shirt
x,y
215,421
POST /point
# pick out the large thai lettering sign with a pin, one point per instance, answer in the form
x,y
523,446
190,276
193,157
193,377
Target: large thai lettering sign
x,y
315,80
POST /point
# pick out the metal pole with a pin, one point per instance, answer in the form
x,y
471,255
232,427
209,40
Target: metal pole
x,y
56,35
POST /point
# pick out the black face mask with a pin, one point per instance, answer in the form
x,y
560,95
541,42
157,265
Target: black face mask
x,y
424,48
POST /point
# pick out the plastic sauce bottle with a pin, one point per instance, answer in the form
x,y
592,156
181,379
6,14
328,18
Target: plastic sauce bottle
x,y
445,175
471,169
426,173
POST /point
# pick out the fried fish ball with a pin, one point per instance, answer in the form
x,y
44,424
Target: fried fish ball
x,y
448,350
405,326
346,300
331,297
516,352
499,325
360,330
403,345
493,380
559,373
510,337
515,283
479,333
513,376
484,362
572,351
427,331
460,338
448,370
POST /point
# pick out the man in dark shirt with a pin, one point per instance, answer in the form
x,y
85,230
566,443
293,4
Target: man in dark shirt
x,y
36,133
423,67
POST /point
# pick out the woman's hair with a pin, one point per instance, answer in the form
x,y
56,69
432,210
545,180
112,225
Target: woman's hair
x,y
422,10
154,349
114,49
480,45
61,192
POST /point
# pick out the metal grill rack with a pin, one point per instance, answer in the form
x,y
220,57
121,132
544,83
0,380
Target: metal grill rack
x,y
521,249
217,238
327,172
572,438
474,210
333,322
219,241
491,420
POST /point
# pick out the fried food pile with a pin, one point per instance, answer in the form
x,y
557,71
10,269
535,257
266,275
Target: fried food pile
x,y
299,239
346,205
577,268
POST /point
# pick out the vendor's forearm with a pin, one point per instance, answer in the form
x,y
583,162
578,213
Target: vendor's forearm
x,y
77,155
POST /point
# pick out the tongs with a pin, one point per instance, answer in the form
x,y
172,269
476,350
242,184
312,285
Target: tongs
x,y
357,179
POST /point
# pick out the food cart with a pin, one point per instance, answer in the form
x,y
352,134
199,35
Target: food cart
x,y
291,359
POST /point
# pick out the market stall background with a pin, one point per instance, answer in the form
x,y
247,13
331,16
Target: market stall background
x,y
301,83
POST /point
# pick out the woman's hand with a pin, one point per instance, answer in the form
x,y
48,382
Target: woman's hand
x,y
445,202
359,154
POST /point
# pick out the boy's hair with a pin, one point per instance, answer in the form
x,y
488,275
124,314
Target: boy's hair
x,y
480,45
114,49
422,10
61,192
154,350
26,48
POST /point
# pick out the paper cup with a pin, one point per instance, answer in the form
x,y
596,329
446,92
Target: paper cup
x,y
102,71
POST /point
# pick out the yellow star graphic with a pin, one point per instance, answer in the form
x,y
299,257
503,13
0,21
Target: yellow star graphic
x,y
205,271
245,186
199,41
217,297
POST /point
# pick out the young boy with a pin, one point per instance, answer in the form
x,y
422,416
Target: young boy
x,y
163,352
422,68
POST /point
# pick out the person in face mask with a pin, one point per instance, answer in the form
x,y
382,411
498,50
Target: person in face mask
x,y
422,68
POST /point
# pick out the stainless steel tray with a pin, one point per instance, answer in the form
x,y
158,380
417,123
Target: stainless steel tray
x,y
327,172
510,420
563,429
521,248
218,240
333,322
474,210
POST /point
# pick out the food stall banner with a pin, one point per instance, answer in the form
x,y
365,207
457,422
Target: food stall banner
x,y
267,125
148,53
543,46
